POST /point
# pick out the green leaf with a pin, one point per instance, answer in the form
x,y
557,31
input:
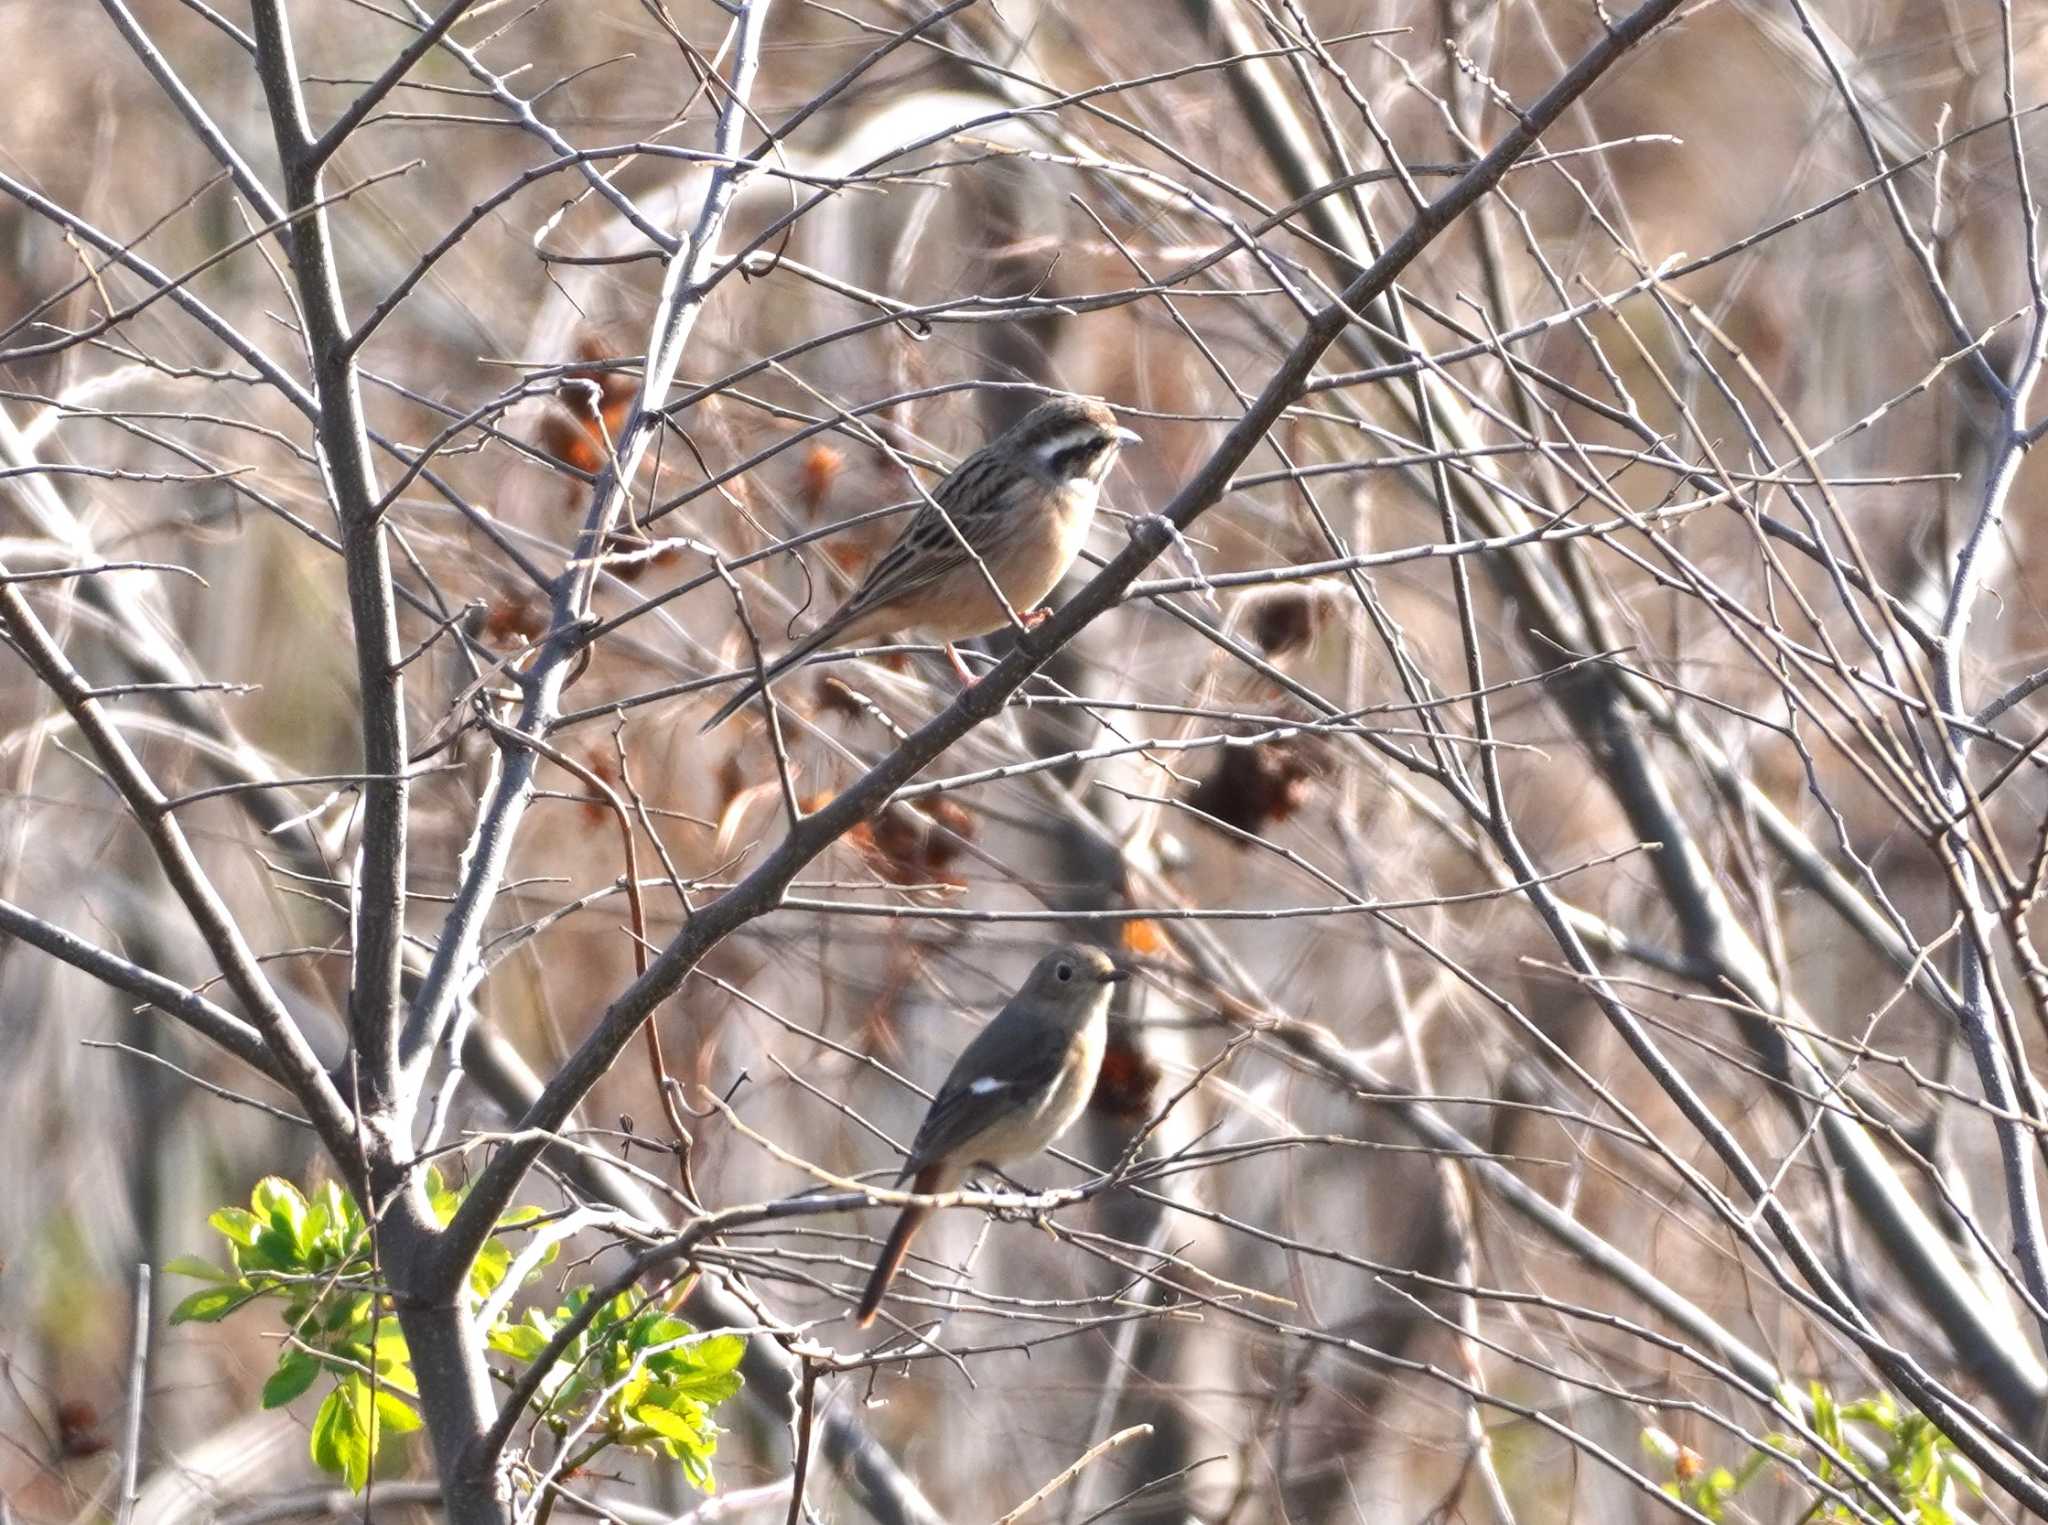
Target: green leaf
x,y
1710,1496
313,1231
1914,1469
282,1205
697,1468
396,1374
338,1215
350,1428
489,1268
711,1387
276,1248
1827,1423
634,1390
440,1198
518,1218
273,1195
1962,1470
567,1394
335,1416
355,1435
235,1225
395,1414
295,1373
389,1344
210,1305
705,1370
679,1424
346,1312
522,1342
658,1329
197,1269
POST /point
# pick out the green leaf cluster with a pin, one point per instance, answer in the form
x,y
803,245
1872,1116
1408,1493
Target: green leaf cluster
x,y
1922,1472
636,1378
312,1254
640,1379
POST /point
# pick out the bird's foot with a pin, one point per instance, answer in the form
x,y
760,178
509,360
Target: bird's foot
x,y
960,667
1002,1180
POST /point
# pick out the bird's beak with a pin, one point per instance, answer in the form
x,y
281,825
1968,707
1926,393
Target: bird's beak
x,y
1126,437
1116,976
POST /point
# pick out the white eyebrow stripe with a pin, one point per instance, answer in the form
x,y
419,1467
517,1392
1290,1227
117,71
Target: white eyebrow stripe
x,y
1067,438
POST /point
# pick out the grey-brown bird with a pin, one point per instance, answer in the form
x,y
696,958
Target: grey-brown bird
x,y
1022,504
1017,1087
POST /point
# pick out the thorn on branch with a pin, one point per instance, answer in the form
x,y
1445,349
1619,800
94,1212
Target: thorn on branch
x,y
1463,63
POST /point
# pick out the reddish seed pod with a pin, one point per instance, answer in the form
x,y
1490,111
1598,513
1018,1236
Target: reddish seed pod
x,y
1253,788
1284,620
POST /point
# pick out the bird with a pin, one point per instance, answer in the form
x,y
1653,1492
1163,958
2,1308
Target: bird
x,y
1015,1088
1022,503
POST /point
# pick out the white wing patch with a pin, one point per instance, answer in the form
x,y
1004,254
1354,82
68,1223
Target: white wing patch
x,y
987,1086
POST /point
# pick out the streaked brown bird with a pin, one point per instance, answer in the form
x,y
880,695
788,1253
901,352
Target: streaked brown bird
x,y
1015,1089
1016,512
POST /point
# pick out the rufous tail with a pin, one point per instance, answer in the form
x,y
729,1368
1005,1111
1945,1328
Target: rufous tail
x,y
898,1246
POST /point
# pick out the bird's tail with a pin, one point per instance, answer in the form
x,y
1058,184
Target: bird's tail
x,y
774,670
898,1246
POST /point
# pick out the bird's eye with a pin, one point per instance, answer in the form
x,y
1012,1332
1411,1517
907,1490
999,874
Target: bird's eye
x,y
1075,459
1063,973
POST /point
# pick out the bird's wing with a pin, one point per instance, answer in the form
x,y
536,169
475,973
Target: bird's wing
x,y
929,549
994,1074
